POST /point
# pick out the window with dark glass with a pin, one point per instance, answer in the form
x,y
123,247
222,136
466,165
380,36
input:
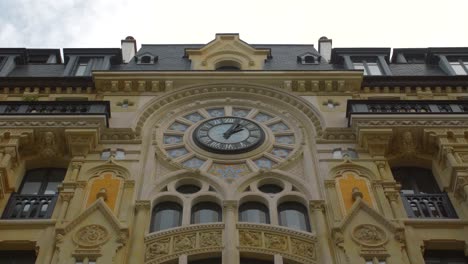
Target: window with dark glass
x,y
188,189
166,215
309,59
293,215
37,194
17,257
146,59
228,66
216,260
206,212
421,195
254,212
370,66
445,257
270,188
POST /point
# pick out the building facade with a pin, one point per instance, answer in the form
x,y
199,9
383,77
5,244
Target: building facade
x,y
229,152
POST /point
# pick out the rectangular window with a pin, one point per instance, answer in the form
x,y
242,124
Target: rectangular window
x,y
82,66
17,257
460,67
369,68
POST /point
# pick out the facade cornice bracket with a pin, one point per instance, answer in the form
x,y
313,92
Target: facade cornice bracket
x,y
376,141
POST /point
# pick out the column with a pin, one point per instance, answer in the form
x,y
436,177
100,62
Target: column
x,y
321,229
76,204
230,252
450,157
465,190
393,197
126,198
183,259
383,200
137,243
75,166
413,246
278,259
382,172
66,197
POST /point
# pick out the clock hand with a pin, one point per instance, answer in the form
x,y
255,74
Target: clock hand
x,y
234,126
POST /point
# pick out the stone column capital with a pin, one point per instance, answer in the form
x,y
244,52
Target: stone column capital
x,y
230,204
142,205
317,205
66,196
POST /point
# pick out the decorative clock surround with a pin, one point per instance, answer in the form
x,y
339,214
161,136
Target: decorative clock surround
x,y
260,138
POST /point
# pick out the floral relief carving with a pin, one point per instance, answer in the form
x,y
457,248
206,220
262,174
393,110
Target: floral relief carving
x,y
276,242
158,249
303,248
210,239
250,239
91,236
184,242
369,235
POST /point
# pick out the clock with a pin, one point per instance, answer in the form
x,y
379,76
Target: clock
x,y
228,135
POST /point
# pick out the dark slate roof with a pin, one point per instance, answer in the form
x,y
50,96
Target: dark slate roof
x,y
38,70
420,69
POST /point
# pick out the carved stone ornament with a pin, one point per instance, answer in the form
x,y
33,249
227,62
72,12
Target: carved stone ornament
x,y
91,236
184,242
369,235
210,239
49,146
276,242
302,248
158,249
250,239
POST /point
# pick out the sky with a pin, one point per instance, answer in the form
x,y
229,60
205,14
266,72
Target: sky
x,y
358,23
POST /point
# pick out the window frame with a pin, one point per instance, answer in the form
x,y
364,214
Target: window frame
x,y
297,207
258,207
44,182
165,206
205,206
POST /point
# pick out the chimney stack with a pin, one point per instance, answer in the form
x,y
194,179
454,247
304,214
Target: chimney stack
x,y
128,48
325,48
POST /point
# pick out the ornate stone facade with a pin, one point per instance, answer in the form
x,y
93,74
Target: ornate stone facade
x,y
129,182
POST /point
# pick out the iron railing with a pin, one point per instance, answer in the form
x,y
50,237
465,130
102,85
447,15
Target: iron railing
x,y
29,206
55,108
428,206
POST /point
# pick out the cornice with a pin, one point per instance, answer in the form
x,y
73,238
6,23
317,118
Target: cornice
x,y
22,224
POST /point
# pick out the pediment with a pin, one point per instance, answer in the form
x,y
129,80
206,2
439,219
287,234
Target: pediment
x,y
227,48
96,214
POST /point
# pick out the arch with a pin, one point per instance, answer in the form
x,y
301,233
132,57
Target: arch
x,y
348,165
109,166
303,109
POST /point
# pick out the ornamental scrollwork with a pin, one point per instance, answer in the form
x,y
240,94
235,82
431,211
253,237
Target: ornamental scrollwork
x,y
369,235
210,239
184,242
250,239
276,242
158,249
303,248
91,236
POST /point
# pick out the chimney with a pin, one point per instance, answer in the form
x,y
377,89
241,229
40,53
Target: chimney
x,y
128,48
325,48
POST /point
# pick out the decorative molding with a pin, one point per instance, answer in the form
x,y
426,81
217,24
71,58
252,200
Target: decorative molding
x,y
91,236
317,205
142,205
369,235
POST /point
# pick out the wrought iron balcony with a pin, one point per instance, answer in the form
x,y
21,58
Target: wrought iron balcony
x,y
31,108
428,206
29,206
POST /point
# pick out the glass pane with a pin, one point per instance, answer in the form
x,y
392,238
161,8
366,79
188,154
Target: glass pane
x,y
360,66
166,215
206,212
293,215
80,70
254,213
270,188
458,68
374,68
337,154
51,187
33,181
188,189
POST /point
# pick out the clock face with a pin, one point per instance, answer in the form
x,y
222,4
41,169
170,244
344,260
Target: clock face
x,y
228,135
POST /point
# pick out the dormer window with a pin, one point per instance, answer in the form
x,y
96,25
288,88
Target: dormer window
x,y
460,66
228,66
81,66
308,58
146,58
370,66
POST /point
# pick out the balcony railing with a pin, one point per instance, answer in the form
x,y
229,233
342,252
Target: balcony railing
x,y
56,108
428,206
402,107
30,206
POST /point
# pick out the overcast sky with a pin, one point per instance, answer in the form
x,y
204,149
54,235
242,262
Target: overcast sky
x,y
358,23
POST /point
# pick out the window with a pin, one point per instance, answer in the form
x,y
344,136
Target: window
x,y
340,154
215,260
17,257
309,60
460,67
270,188
81,67
105,154
145,59
206,212
369,67
375,260
188,189
85,261
421,195
293,215
445,257
254,212
228,66
37,194
120,154
166,215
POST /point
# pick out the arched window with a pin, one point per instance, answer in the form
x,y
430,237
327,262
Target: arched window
x,y
254,212
228,66
309,59
146,59
206,212
293,215
166,215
